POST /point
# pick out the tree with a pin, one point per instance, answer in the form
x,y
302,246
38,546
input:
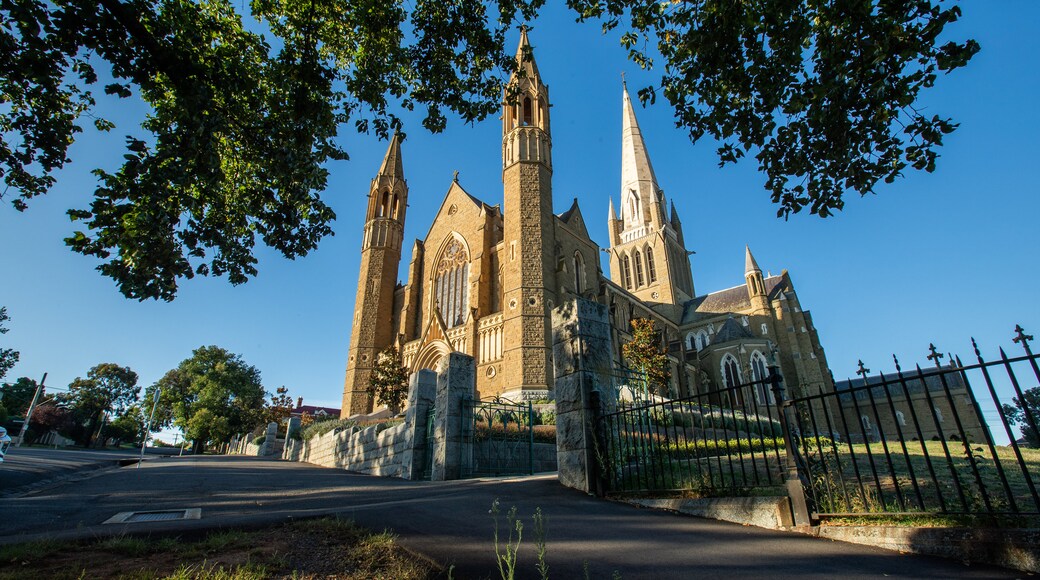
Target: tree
x,y
18,395
128,427
50,417
240,130
280,406
8,356
389,380
107,391
1016,414
643,354
211,396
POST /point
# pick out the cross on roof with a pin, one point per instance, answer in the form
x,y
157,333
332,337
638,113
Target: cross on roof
x,y
1021,336
935,356
863,371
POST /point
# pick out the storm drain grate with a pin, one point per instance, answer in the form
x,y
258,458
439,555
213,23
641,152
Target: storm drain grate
x,y
155,516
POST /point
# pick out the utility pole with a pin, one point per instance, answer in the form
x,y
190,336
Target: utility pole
x,y
32,407
148,426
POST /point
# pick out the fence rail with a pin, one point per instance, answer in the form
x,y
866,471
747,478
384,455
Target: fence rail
x,y
905,442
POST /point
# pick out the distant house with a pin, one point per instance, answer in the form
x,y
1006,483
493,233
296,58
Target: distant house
x,y
313,410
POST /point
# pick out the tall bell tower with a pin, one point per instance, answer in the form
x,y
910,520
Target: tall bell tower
x,y
529,269
380,256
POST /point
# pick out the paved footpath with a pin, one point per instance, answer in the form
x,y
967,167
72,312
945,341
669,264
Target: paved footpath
x,y
449,522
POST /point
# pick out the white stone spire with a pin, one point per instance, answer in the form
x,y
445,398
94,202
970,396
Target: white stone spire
x,y
639,189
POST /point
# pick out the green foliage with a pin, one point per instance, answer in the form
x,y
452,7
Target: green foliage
x,y
824,94
8,356
322,427
259,440
1016,414
18,395
211,396
694,448
128,427
239,132
506,554
643,353
389,380
109,389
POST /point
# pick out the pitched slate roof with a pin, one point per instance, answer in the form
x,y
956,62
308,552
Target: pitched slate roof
x,y
733,299
731,330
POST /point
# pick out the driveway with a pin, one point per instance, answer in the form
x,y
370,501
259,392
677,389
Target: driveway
x,y
449,522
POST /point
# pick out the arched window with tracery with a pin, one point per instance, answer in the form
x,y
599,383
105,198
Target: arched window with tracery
x,y
730,371
639,268
452,283
579,272
626,272
763,392
651,269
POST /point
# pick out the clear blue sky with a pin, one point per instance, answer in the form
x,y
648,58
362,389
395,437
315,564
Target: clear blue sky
x,y
932,258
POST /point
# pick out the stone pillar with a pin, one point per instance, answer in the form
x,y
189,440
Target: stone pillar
x,y
292,446
456,382
582,360
422,393
272,433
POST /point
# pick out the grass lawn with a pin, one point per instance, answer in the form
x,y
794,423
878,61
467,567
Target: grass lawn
x,y
305,549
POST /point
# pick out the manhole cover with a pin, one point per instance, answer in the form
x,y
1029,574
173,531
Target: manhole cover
x,y
155,516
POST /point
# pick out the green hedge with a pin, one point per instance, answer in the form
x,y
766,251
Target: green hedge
x,y
323,427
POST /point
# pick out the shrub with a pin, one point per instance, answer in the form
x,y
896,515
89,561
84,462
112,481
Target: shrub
x,y
323,427
546,417
260,440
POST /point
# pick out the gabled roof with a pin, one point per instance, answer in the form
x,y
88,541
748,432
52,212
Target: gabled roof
x,y
733,299
574,220
731,330
315,410
454,191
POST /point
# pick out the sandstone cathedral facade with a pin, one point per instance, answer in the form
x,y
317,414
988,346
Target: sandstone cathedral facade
x,y
485,278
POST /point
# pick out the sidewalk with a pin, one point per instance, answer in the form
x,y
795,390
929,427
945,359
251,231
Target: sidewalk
x,y
449,522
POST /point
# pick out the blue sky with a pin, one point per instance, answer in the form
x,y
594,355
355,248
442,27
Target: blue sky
x,y
932,258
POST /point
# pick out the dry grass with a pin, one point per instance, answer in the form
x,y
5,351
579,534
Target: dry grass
x,y
311,549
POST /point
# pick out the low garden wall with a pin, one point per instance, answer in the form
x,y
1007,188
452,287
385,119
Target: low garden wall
x,y
376,450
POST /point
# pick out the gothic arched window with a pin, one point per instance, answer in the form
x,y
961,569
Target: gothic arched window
x,y
579,273
626,272
651,269
451,287
763,392
639,268
730,372
384,205
528,116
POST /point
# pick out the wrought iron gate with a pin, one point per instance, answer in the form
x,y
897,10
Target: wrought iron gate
x,y
498,436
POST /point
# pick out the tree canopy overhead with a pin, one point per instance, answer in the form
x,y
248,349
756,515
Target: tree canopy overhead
x,y
242,123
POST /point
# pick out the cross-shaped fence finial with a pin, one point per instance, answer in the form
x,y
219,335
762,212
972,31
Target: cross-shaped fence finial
x,y
863,371
936,355
1021,336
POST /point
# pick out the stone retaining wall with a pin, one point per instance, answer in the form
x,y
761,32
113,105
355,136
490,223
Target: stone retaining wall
x,y
376,450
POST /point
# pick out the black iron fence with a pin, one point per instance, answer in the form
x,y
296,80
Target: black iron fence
x,y
720,441
950,439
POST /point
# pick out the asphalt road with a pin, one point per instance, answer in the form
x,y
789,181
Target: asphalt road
x,y
449,522
26,468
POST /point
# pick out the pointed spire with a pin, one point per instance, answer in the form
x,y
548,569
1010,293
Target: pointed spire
x,y
611,214
392,165
636,171
750,265
674,215
527,65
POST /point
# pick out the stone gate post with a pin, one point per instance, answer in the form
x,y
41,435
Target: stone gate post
x,y
422,393
456,382
582,352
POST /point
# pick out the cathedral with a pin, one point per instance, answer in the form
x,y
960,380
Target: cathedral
x,y
485,278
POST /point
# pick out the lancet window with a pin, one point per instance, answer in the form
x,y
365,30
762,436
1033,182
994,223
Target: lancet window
x,y
626,272
579,273
639,269
452,284
651,268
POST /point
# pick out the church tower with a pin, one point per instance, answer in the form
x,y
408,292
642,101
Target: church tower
x,y
529,261
647,253
756,286
380,256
